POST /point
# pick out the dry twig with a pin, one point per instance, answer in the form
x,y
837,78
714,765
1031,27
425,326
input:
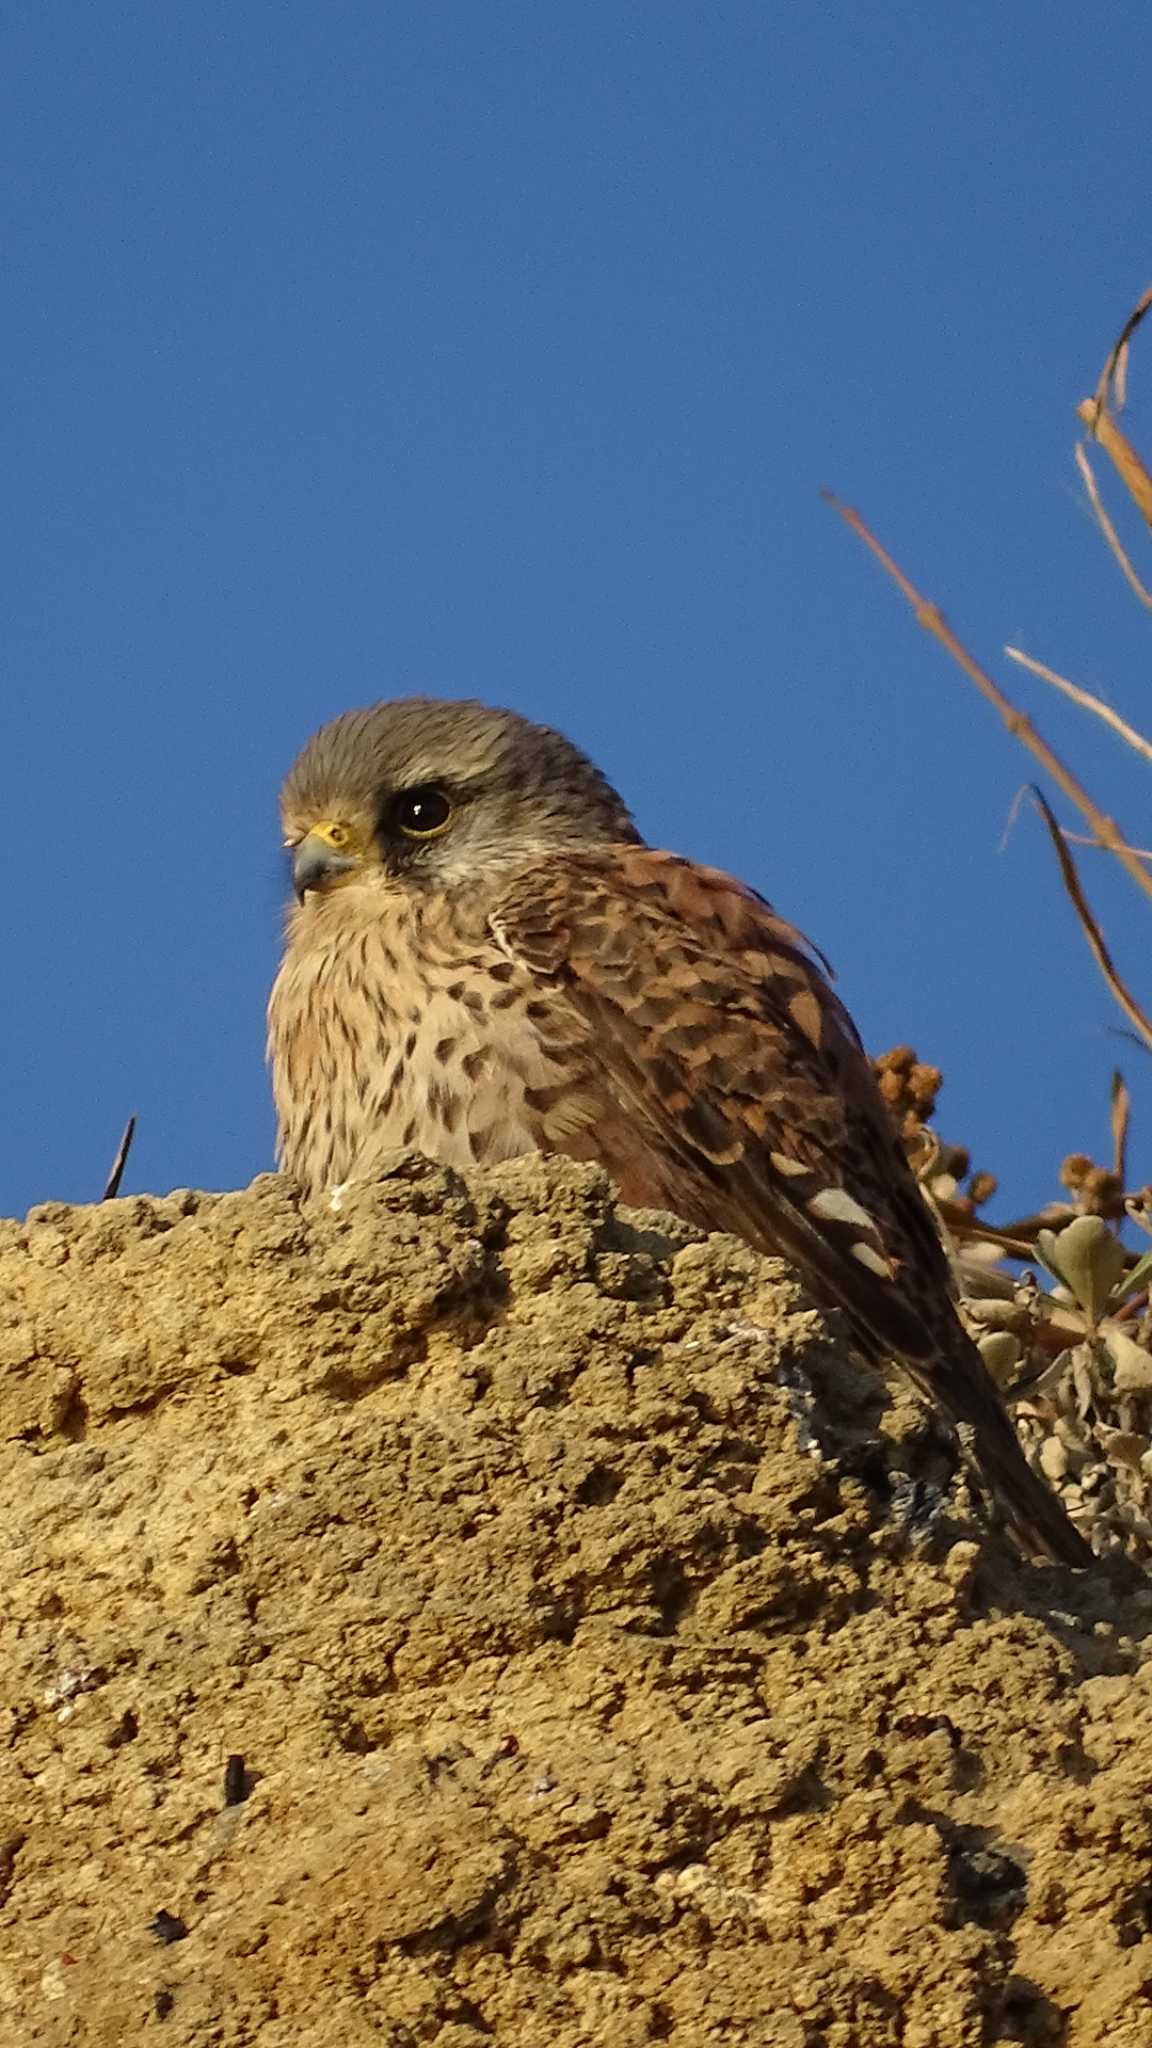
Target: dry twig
x,y
1086,701
1088,925
1108,530
1120,1111
1018,723
112,1184
1096,413
1098,846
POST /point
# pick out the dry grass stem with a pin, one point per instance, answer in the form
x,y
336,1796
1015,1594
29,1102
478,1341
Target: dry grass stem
x,y
1113,384
1096,413
1109,531
112,1184
1085,699
1088,925
1118,447
1120,1109
1018,723
1085,839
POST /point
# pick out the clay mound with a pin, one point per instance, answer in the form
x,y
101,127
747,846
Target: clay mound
x,y
469,1614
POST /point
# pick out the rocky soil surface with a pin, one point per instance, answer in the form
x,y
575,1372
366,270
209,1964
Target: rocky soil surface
x,y
466,1613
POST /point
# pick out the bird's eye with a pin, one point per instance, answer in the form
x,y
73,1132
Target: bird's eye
x,y
421,813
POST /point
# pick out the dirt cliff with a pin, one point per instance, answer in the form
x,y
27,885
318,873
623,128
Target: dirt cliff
x,y
467,1613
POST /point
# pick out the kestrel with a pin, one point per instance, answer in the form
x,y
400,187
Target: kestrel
x,y
486,959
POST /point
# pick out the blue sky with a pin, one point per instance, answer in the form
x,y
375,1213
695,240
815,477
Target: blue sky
x,y
368,348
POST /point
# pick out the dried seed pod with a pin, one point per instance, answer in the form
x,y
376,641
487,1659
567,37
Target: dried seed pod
x,y
1099,1190
908,1086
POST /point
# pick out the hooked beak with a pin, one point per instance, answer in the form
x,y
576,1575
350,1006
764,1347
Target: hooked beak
x,y
320,858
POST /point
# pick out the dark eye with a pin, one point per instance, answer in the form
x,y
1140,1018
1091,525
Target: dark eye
x,y
421,813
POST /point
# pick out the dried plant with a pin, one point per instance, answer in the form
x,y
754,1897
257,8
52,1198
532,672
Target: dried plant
x,y
116,1173
1059,1302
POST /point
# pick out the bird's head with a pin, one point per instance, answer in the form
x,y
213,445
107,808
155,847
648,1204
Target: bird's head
x,y
438,794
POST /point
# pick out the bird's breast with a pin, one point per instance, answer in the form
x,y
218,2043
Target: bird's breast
x,y
407,1033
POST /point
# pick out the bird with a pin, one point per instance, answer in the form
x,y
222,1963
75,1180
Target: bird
x,y
484,958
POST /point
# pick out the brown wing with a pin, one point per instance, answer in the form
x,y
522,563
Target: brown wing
x,y
726,1048
726,1054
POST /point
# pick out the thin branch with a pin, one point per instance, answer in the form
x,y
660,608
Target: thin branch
x,y
1120,1107
1019,725
1114,376
112,1185
1084,839
1118,447
1086,701
1108,530
1088,924
1026,1229
1011,1241
1096,412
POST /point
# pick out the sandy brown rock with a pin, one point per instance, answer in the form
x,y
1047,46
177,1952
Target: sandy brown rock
x,y
599,1669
